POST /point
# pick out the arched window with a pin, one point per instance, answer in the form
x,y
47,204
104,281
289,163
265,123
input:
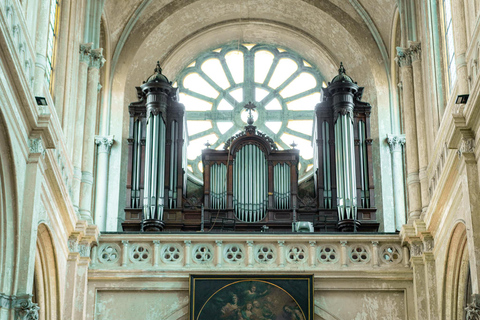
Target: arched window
x,y
216,86
449,47
52,37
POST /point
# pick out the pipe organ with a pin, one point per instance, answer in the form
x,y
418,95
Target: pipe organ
x,y
250,184
157,149
343,148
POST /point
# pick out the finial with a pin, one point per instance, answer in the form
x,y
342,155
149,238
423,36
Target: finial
x,y
293,145
207,144
158,69
250,106
342,69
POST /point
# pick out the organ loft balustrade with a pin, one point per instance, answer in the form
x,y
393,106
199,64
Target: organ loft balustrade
x,y
250,185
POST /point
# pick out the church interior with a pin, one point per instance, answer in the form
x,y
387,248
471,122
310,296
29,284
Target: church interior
x,y
239,160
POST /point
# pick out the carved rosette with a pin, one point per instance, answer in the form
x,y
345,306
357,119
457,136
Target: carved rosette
x,y
395,142
104,143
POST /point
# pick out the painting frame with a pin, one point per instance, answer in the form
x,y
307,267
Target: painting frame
x,y
226,297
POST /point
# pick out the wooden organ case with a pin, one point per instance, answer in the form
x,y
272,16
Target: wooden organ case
x,y
250,184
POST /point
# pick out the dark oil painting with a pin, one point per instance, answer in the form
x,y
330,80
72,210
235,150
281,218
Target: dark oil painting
x,y
229,297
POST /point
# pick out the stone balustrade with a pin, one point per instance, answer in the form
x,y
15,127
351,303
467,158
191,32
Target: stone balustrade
x,y
186,252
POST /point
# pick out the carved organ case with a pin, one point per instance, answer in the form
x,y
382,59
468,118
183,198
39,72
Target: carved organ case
x,y
250,183
157,155
343,156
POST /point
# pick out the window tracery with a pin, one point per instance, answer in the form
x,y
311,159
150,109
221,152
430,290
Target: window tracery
x,y
284,87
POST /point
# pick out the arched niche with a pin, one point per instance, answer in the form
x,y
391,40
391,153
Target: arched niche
x,y
8,212
46,281
456,275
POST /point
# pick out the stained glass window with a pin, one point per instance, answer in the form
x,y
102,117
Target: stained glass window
x,y
450,49
51,38
216,86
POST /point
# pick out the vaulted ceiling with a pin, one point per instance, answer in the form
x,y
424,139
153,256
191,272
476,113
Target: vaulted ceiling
x,y
325,32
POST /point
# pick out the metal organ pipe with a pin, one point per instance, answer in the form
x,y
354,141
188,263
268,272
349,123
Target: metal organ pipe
x,y
250,184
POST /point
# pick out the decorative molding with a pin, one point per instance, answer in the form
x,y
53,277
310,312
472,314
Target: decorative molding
x,y
104,143
403,58
6,301
395,142
428,245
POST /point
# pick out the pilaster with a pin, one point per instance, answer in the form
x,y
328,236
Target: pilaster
x,y
79,244
466,152
85,51
396,143
415,51
404,60
104,221
95,63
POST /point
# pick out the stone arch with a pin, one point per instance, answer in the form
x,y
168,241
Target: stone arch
x,y
47,288
456,274
8,212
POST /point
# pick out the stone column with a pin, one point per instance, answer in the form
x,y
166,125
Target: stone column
x,y
102,219
472,218
460,43
396,142
418,265
413,182
23,273
424,272
41,47
85,50
89,134
416,55
79,244
430,275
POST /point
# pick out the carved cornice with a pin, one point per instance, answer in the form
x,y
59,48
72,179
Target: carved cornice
x,y
85,50
415,50
395,142
403,58
104,143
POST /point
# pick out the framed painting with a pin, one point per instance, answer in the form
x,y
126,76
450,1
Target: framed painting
x,y
237,297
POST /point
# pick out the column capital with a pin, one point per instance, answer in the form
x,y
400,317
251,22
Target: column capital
x,y
467,146
104,143
473,309
415,49
96,58
403,58
85,50
25,309
36,147
395,142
